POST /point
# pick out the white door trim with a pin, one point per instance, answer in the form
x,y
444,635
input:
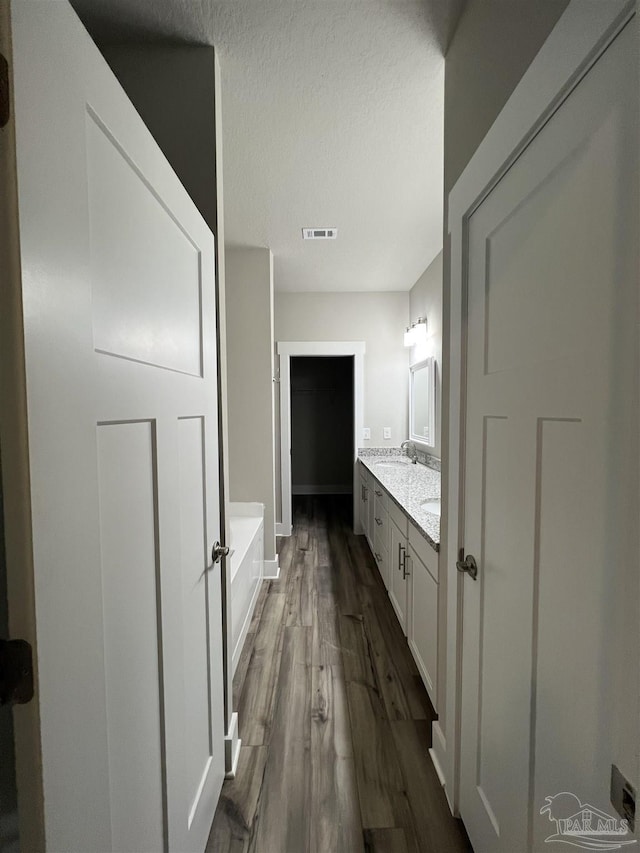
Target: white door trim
x,y
285,350
581,35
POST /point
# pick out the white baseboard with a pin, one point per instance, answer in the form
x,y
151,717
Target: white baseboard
x,y
322,490
271,569
438,735
283,529
232,744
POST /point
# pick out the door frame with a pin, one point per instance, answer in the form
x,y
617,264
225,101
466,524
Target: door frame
x,y
578,40
286,350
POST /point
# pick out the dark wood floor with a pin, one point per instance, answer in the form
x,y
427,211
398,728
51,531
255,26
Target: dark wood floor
x,y
334,719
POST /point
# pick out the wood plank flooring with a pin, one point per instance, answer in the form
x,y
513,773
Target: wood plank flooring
x,y
334,719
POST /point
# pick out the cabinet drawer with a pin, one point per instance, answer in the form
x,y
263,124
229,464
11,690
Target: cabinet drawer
x,y
398,516
381,556
424,551
381,497
381,522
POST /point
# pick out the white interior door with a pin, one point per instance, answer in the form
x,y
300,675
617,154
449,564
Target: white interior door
x,y
118,320
549,673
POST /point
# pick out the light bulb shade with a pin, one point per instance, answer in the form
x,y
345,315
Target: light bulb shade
x,y
416,333
419,333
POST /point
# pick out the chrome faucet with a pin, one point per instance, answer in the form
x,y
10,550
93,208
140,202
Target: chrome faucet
x,y
410,447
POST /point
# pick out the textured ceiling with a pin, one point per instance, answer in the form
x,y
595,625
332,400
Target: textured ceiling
x,y
332,116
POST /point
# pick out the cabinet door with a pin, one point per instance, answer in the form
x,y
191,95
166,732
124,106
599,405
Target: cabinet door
x,y
364,516
380,519
423,621
371,521
398,585
382,560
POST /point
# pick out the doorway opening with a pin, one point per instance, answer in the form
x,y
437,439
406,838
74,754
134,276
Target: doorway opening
x,y
353,354
322,425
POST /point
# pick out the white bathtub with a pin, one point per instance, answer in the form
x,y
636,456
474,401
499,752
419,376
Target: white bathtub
x,y
246,523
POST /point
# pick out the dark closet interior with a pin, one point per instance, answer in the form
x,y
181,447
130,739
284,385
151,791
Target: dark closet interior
x,y
322,425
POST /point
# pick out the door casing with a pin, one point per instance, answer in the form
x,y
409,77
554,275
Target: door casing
x,y
287,349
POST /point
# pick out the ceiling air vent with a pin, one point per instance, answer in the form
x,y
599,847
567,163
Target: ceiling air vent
x,y
319,233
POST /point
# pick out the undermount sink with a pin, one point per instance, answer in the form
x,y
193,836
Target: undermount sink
x,y
396,464
431,506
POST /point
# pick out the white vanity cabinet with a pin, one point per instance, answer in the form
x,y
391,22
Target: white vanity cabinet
x,y
422,629
408,565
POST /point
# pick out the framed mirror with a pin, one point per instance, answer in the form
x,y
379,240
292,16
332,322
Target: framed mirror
x,y
422,402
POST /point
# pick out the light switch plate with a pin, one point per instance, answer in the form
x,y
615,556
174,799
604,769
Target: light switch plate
x,y
366,434
386,432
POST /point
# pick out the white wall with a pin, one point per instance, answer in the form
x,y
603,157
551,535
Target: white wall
x,y
378,319
250,355
425,300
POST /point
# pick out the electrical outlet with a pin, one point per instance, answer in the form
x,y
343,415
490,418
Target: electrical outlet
x,y
386,432
366,434
623,797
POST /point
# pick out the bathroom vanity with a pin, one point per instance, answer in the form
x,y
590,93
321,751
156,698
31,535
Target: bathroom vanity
x,y
400,517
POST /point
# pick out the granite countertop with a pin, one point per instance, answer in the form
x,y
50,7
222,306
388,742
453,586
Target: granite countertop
x,y
409,487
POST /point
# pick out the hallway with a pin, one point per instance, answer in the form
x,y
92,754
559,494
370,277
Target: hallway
x,y
334,720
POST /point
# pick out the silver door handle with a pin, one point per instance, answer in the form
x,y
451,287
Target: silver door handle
x,y
405,573
468,565
378,493
219,551
401,557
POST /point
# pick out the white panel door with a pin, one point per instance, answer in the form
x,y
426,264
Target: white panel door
x,y
118,319
551,493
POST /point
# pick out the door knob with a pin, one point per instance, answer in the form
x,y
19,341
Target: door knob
x,y
468,565
219,551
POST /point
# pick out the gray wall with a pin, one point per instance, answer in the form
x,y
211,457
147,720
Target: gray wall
x,y
378,319
173,89
250,356
492,47
425,300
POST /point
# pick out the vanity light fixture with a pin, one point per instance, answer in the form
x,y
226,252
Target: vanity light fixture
x,y
416,333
